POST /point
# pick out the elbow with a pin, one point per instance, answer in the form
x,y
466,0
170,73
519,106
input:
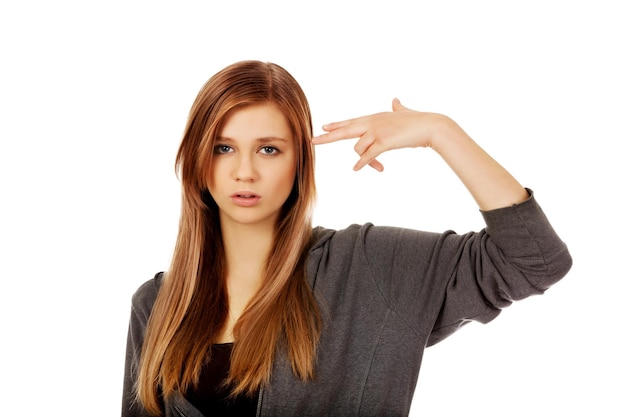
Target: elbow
x,y
564,263
557,266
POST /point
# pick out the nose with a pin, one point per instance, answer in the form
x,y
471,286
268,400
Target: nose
x,y
244,170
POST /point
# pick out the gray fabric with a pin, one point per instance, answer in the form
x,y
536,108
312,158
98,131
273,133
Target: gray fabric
x,y
386,293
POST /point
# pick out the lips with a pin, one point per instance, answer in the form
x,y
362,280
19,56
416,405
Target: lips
x,y
245,198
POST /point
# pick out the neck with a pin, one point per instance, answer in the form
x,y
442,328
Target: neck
x,y
246,249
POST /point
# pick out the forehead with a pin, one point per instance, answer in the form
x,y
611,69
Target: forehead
x,y
256,121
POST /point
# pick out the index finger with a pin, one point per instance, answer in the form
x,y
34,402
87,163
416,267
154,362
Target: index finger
x,y
347,129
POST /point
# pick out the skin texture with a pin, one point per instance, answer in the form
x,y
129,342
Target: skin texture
x,y
489,183
253,155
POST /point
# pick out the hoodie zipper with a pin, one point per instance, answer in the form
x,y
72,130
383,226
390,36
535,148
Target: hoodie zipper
x,y
178,410
258,402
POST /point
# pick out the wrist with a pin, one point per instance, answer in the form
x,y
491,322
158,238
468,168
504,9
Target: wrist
x,y
446,132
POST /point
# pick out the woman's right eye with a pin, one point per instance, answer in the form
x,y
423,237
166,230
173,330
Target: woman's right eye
x,y
222,149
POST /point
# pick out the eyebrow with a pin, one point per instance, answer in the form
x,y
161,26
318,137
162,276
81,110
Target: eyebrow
x,y
265,139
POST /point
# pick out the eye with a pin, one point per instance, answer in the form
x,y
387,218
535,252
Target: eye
x,y
269,150
222,149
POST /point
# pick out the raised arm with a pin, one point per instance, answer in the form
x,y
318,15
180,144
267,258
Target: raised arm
x,y
489,183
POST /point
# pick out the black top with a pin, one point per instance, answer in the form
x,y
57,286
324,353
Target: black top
x,y
210,396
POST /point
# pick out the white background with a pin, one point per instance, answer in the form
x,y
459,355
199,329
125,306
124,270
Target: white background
x,y
93,100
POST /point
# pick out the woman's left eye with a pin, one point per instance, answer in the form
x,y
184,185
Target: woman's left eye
x,y
269,150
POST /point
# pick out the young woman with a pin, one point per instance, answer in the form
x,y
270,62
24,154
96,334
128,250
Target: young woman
x,y
261,314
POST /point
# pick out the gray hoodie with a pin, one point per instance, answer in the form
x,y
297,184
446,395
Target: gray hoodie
x,y
386,294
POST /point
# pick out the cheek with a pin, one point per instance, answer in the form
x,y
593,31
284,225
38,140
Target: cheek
x,y
214,175
290,177
286,179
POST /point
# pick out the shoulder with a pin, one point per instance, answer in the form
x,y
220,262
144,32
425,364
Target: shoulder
x,y
365,233
144,297
323,236
381,239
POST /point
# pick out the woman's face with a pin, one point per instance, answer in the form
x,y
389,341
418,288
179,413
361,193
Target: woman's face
x,y
254,166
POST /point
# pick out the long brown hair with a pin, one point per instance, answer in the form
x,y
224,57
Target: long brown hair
x,y
192,305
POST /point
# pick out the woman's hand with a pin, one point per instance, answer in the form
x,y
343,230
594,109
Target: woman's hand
x,y
381,132
488,182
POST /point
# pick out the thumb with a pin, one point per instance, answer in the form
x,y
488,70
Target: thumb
x,y
396,105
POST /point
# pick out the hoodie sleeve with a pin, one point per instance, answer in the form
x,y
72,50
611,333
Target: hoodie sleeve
x,y
439,282
141,307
